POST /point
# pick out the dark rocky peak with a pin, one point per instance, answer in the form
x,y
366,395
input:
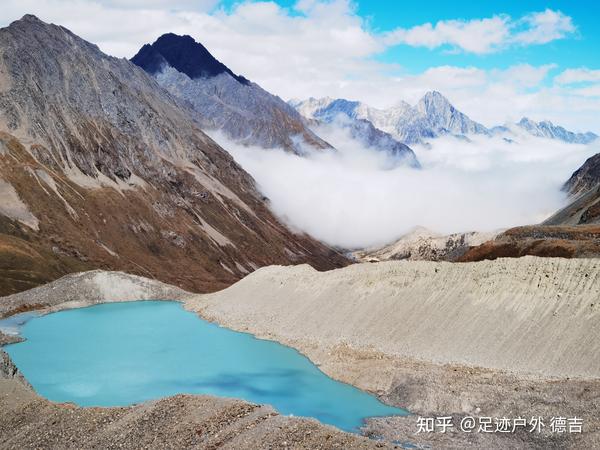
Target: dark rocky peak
x,y
184,54
585,178
30,18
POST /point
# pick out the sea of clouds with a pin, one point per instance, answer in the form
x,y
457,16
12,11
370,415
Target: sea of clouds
x,y
351,198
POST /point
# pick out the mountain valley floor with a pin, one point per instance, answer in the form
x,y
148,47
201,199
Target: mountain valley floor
x,y
504,338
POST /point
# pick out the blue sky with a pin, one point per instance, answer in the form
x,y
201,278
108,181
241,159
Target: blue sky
x,y
578,49
496,61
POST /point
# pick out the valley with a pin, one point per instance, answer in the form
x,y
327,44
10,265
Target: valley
x,y
337,263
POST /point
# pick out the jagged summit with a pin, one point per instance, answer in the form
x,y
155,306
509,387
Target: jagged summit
x,y
184,54
431,117
29,18
434,96
230,103
33,33
347,114
442,115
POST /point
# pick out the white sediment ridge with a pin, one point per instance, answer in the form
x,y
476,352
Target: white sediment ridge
x,y
528,315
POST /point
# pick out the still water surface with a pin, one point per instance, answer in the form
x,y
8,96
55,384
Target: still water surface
x,y
122,353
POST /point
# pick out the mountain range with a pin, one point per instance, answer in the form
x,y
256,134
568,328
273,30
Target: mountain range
x,y
250,115
101,167
433,116
547,129
104,162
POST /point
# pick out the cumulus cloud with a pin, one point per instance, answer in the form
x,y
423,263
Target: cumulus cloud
x,y
476,36
543,27
352,199
579,75
488,34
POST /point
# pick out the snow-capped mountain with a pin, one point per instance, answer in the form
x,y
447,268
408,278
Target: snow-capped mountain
x,y
445,118
340,113
223,100
547,129
431,117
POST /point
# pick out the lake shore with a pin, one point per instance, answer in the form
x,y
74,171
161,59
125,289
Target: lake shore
x,y
324,316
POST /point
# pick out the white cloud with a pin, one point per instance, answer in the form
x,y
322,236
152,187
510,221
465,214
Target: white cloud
x,y
523,75
488,34
348,199
476,36
589,91
580,75
543,27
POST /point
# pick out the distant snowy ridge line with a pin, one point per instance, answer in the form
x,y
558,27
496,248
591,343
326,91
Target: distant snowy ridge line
x,y
433,116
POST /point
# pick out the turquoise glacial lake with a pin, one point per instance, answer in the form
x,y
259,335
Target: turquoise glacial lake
x,y
118,354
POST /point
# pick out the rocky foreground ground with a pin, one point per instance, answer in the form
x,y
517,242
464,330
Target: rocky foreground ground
x,y
183,421
506,338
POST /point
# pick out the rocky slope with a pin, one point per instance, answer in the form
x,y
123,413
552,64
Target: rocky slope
x,y
527,315
583,188
89,288
222,100
101,167
184,421
582,241
585,178
424,245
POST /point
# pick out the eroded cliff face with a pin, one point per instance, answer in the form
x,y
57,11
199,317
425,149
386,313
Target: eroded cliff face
x,y
104,168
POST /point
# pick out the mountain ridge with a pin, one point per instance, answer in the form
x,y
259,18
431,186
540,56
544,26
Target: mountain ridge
x,y
547,129
224,101
432,116
107,169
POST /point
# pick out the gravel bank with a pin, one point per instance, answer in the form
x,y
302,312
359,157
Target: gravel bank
x,y
528,315
184,421
86,289
503,338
